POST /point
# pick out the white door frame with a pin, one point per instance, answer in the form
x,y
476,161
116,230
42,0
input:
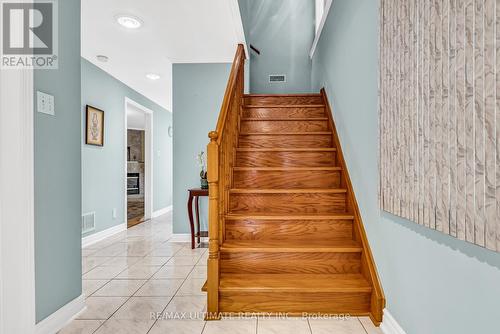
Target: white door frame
x,y
148,157
17,222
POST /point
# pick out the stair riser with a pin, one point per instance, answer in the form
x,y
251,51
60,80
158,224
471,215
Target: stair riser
x,y
283,126
298,203
283,112
290,263
282,100
285,159
354,303
254,229
255,179
286,141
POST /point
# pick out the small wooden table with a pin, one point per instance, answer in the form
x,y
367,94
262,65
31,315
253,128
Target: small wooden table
x,y
195,194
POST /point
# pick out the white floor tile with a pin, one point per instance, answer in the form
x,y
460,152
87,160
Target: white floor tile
x,y
231,326
369,326
81,327
279,326
178,327
335,326
119,288
142,308
101,308
125,326
159,288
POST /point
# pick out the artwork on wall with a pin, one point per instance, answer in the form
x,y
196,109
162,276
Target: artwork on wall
x,y
440,116
94,128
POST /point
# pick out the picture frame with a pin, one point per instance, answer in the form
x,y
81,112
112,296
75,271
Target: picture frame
x,y
94,126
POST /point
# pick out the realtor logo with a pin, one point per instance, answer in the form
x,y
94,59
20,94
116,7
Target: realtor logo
x,y
29,34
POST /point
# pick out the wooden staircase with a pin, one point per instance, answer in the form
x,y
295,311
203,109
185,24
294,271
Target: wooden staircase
x,y
289,238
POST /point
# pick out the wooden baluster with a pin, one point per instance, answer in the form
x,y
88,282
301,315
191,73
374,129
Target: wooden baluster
x,y
213,229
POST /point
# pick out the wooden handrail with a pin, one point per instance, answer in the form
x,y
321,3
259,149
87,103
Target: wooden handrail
x,y
238,63
221,152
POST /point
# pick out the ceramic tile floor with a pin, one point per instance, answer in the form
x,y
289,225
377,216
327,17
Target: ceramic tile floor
x,y
132,276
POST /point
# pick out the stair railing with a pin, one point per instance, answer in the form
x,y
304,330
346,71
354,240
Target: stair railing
x,y
221,155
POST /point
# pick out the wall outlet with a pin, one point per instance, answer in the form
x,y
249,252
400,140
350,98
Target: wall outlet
x,y
45,103
114,213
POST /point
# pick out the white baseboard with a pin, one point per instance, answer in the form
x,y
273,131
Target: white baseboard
x,y
389,325
184,237
96,237
60,318
162,212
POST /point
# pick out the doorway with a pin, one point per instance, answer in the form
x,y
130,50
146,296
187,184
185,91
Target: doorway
x,y
138,163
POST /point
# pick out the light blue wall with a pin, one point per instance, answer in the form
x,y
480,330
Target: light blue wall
x,y
434,283
283,30
103,170
57,174
198,90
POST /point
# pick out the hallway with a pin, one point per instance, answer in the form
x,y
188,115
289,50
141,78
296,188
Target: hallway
x,y
132,276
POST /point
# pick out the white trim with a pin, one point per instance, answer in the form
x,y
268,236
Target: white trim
x,y
184,237
320,28
239,31
60,318
162,212
99,236
390,325
148,177
17,237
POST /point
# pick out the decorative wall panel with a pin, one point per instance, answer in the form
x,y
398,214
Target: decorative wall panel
x,y
440,115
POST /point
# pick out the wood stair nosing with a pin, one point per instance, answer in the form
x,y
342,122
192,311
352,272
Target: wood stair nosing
x,y
295,283
289,246
285,149
284,106
309,133
289,191
287,169
232,216
286,119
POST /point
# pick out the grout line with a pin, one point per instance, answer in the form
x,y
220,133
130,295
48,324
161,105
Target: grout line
x,y
309,324
363,326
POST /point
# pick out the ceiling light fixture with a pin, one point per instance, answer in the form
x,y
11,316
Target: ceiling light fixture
x,y
129,21
102,58
153,76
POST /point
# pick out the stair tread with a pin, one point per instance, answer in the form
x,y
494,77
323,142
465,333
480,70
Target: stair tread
x,y
262,119
283,106
284,149
302,283
234,216
287,168
289,191
285,133
292,246
283,95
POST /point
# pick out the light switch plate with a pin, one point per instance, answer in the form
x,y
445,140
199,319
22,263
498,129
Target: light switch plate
x,y
45,103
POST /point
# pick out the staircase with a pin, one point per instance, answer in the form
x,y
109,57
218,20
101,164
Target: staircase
x,y
289,237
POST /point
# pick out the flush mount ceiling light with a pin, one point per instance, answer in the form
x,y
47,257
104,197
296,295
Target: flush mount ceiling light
x,y
153,76
129,21
102,58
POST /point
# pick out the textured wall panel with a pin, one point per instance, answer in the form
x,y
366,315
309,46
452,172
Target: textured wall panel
x,y
439,115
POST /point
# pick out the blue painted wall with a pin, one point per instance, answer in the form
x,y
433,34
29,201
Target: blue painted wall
x,y
434,283
198,90
57,174
103,172
283,30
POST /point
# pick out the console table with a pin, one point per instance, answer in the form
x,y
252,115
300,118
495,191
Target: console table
x,y
196,194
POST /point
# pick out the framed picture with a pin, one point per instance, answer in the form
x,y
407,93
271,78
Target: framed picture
x,y
94,126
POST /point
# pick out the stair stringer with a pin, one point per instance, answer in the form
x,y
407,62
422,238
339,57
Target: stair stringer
x,y
368,267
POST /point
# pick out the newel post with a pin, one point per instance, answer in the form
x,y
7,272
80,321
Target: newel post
x,y
213,228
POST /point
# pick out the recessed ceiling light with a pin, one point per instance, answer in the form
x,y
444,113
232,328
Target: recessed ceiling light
x,y
153,76
102,58
129,21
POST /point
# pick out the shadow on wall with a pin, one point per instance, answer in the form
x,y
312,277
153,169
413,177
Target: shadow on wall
x,y
482,254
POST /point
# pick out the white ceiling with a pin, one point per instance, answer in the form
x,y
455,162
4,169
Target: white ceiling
x,y
174,31
136,119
